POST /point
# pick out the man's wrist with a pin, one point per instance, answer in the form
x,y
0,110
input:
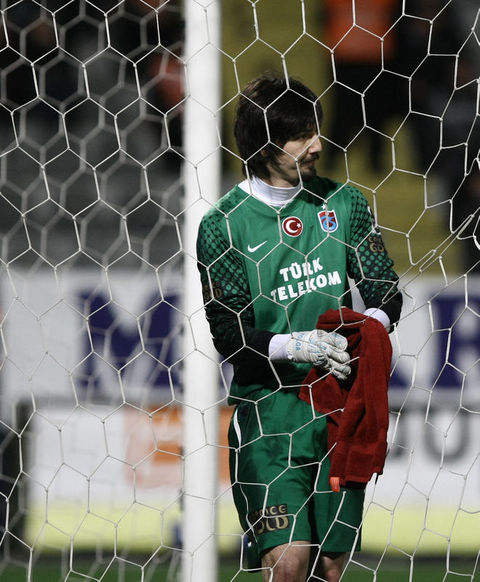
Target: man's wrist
x,y
277,348
379,315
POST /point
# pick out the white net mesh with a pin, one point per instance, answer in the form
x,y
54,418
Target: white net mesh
x,y
92,208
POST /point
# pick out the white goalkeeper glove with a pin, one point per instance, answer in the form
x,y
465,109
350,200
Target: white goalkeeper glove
x,y
322,349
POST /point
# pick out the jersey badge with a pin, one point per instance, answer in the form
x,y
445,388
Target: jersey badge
x,y
328,220
292,226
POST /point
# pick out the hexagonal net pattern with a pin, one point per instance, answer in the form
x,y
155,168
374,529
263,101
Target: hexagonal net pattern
x,y
97,262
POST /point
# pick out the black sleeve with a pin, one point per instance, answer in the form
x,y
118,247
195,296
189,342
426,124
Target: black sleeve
x,y
369,264
227,297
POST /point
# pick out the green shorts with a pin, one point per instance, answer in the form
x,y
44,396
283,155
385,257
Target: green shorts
x,y
279,470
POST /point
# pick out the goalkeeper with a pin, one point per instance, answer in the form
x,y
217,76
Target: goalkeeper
x,y
274,253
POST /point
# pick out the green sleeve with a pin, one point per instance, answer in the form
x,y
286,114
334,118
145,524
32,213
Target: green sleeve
x,y
226,295
369,264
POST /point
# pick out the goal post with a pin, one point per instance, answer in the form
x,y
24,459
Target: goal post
x,y
202,169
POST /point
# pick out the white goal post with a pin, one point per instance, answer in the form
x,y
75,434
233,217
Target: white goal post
x,y
201,374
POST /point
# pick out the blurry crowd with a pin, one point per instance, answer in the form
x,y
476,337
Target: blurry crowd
x,y
421,65
65,55
94,94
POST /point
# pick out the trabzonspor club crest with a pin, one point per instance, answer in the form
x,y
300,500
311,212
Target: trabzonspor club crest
x,y
292,226
328,220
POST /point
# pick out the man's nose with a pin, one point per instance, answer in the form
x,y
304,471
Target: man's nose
x,y
315,146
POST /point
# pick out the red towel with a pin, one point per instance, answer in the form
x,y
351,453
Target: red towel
x,y
357,408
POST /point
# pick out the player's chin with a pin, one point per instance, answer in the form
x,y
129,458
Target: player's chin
x,y
308,173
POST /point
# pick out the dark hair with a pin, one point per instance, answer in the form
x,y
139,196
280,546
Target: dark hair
x,y
271,111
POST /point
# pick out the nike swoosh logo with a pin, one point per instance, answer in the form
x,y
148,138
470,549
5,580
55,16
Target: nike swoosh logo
x,y
253,249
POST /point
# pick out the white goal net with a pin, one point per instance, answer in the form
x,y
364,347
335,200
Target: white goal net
x,y
116,136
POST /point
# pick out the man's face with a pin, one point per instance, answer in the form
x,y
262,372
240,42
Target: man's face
x,y
297,160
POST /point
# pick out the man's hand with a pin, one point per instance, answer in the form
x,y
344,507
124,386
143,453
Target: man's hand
x,y
322,349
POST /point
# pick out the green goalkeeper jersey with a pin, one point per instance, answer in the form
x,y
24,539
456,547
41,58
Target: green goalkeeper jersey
x,y
268,270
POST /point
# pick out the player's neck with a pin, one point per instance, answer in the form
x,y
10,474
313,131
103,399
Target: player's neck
x,y
270,194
